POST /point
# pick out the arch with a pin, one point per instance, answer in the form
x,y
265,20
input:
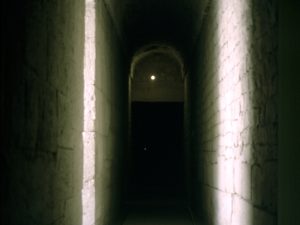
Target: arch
x,y
157,48
157,74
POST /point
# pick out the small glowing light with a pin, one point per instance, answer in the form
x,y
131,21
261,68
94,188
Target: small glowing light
x,y
152,77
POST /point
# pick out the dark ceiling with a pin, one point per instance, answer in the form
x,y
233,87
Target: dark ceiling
x,y
173,22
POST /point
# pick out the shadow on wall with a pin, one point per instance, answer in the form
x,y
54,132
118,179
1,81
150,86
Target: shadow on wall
x,y
264,100
65,52
43,64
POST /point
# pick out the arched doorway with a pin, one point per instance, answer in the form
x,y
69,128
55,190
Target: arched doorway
x,y
156,156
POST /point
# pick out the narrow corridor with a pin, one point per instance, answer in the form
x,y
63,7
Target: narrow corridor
x,y
159,210
153,112
155,188
158,215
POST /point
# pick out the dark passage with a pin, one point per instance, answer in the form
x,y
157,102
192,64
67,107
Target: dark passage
x,y
156,178
157,150
211,90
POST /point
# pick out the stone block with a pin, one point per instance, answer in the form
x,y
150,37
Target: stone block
x,y
241,212
242,179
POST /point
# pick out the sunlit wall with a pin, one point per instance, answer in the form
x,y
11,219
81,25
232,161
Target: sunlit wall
x,y
105,117
232,175
89,131
234,114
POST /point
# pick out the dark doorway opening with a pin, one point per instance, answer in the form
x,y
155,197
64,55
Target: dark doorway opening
x,y
157,151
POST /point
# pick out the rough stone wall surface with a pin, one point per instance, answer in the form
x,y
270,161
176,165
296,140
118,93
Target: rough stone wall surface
x,y
42,155
43,113
111,87
43,108
233,101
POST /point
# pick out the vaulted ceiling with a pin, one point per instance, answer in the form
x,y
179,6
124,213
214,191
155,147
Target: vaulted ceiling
x,y
173,22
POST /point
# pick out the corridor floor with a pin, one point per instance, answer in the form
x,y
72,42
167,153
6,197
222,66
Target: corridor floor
x,y
156,210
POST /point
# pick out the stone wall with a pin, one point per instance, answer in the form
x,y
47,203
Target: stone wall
x,y
289,111
42,113
111,128
233,111
42,157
